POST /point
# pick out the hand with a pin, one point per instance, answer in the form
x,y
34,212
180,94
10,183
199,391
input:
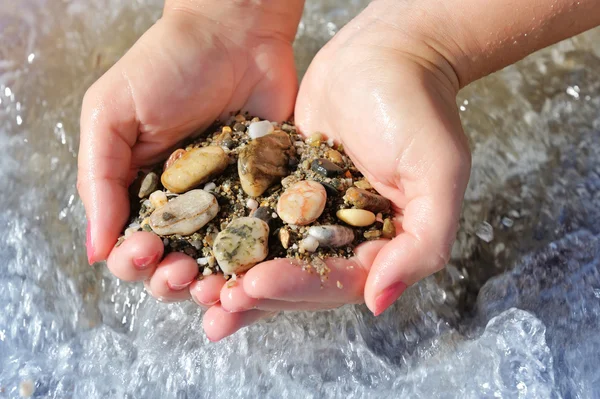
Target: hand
x,y
193,66
390,100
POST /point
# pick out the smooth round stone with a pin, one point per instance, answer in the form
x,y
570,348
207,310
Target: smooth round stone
x,y
173,157
364,199
148,185
158,199
241,245
260,129
302,203
332,235
334,156
309,244
356,217
185,214
195,167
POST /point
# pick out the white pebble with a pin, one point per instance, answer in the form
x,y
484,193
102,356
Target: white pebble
x,y
485,231
202,261
26,388
209,186
274,215
129,232
196,244
158,199
294,246
165,242
259,129
330,142
298,143
207,271
309,243
251,203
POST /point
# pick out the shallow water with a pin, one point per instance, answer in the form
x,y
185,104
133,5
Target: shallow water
x,y
515,314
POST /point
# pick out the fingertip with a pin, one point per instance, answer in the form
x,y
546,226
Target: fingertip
x,y
136,258
206,291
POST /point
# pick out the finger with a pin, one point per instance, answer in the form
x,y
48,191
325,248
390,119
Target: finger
x,y
428,229
205,292
219,323
284,279
172,278
137,257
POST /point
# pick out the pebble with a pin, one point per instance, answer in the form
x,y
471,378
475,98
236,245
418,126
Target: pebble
x,y
372,234
210,186
334,156
173,157
239,127
251,203
309,244
364,184
314,140
224,139
284,237
302,203
158,199
263,161
485,231
389,230
195,167
325,167
363,199
332,235
241,245
185,214
263,213
260,129
149,184
331,190
356,217
207,271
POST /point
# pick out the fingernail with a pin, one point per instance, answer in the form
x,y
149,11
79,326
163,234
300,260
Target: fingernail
x,y
88,244
178,287
387,297
144,261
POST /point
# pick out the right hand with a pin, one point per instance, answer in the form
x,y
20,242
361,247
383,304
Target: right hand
x,y
189,69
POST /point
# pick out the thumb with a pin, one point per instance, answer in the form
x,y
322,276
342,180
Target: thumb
x,y
109,129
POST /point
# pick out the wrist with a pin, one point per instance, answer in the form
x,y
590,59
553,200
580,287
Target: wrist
x,y
263,18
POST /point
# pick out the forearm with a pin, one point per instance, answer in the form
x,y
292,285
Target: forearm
x,y
479,37
268,16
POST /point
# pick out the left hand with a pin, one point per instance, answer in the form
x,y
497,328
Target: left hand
x,y
393,108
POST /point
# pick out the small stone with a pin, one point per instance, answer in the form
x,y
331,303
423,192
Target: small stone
x,y
241,245
289,180
158,199
225,129
173,157
335,157
260,129
339,285
332,235
195,167
331,190
508,222
314,140
356,217
263,213
364,184
207,271
239,127
240,118
389,230
149,184
263,161
485,231
372,234
209,187
251,203
325,167
284,237
309,244
224,139
363,199
302,203
185,214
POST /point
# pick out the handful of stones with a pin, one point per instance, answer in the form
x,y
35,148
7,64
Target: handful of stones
x,y
252,190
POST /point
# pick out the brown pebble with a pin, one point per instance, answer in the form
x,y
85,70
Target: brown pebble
x,y
194,168
148,185
389,230
363,199
239,127
334,156
240,118
325,167
364,184
314,140
224,139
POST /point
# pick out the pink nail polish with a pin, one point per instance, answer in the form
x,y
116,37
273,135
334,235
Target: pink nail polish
x,y
143,262
88,244
388,296
178,287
